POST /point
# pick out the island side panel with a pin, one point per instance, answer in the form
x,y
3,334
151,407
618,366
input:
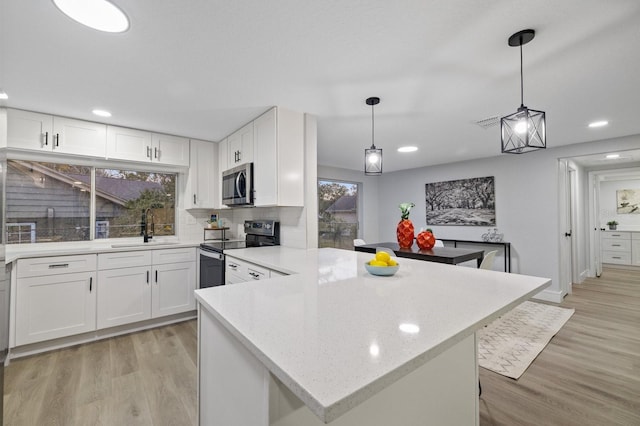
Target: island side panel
x,y
233,384
444,391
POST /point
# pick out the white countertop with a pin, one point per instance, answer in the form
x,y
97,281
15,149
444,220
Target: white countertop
x,y
331,332
19,251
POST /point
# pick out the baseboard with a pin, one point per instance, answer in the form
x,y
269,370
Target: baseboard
x,y
554,296
583,276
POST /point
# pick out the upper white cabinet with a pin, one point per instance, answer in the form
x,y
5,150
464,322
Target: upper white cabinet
x,y
240,146
202,179
138,145
167,149
128,144
223,149
41,132
278,172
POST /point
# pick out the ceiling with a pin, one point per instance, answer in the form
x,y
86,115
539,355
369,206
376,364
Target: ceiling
x,y
203,68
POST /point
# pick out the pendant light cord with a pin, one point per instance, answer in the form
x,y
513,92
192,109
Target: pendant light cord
x,y
521,77
373,145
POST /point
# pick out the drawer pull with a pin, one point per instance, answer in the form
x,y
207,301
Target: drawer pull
x,y
58,265
615,245
254,275
616,257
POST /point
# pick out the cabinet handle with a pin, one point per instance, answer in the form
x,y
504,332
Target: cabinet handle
x,y
194,198
46,138
254,275
148,152
615,245
59,265
147,277
155,152
156,276
616,257
90,284
57,139
615,235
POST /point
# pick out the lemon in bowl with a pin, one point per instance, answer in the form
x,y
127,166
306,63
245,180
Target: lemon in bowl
x,y
382,264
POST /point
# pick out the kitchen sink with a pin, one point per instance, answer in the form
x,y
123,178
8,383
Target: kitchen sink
x,y
149,244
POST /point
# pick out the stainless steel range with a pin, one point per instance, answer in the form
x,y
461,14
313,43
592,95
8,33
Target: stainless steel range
x,y
259,233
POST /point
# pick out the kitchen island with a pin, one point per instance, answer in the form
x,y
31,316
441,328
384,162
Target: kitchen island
x,y
331,343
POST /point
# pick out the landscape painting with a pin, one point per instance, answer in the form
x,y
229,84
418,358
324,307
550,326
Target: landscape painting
x,y
628,201
461,202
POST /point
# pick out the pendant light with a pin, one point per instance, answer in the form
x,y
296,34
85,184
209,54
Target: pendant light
x,y
524,130
373,155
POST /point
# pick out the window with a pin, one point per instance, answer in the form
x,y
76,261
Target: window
x,y
49,202
338,214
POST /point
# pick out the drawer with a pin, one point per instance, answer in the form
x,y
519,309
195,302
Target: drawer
x,y
620,258
256,272
616,245
235,266
187,254
40,266
615,235
124,259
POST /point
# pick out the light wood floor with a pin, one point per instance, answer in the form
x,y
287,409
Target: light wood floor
x,y
589,374
145,378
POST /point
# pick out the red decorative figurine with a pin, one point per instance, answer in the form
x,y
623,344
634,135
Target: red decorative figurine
x,y
405,228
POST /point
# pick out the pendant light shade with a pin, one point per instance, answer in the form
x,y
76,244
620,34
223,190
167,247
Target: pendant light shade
x,y
373,155
525,129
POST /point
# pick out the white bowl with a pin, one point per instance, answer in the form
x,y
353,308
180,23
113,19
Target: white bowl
x,y
384,271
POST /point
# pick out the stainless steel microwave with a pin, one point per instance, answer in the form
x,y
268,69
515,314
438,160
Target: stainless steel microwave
x,y
237,186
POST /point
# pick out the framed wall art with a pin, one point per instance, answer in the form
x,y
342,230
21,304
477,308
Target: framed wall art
x,y
628,201
470,202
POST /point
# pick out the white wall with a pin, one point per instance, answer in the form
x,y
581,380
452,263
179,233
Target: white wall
x,y
526,203
369,201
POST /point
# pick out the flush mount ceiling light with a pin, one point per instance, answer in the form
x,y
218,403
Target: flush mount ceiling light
x,y
598,123
373,155
3,94
101,113
524,130
408,149
100,15
612,156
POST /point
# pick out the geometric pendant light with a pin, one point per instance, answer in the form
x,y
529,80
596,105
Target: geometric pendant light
x,y
525,129
373,155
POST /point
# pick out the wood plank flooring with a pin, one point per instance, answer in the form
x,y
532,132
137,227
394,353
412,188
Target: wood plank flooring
x,y
145,378
589,374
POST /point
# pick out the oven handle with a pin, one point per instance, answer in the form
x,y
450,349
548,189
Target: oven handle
x,y
238,177
205,253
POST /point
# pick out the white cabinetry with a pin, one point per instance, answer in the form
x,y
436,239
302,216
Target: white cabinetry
x,y
279,158
635,248
55,297
137,145
202,179
238,271
41,132
167,149
223,149
616,247
139,285
240,146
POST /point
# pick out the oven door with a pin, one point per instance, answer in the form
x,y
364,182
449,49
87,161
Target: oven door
x,y
211,269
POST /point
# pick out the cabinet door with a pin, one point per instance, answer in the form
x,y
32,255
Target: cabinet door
x,y
79,137
169,149
128,144
49,307
173,287
201,181
125,296
635,252
29,130
223,149
265,174
241,146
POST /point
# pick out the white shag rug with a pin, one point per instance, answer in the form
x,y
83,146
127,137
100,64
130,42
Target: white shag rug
x,y
510,344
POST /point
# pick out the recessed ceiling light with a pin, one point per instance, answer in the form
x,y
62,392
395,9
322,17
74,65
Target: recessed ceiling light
x,y
101,113
598,123
407,149
100,15
3,94
613,156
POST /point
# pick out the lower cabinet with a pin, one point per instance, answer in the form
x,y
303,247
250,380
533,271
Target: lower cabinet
x,y
238,271
67,295
55,297
139,285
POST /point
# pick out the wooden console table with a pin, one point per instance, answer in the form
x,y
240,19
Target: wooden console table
x,y
507,248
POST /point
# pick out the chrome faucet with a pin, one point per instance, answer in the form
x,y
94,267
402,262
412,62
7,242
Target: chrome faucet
x,y
145,225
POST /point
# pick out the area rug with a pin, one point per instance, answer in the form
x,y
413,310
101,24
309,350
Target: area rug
x,y
510,344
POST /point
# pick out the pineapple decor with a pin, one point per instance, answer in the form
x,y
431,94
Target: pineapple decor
x,y
405,228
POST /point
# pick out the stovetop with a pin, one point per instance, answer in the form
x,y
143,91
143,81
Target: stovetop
x,y
260,233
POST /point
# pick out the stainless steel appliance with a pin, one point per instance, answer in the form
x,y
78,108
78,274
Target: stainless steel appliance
x,y
237,186
259,233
